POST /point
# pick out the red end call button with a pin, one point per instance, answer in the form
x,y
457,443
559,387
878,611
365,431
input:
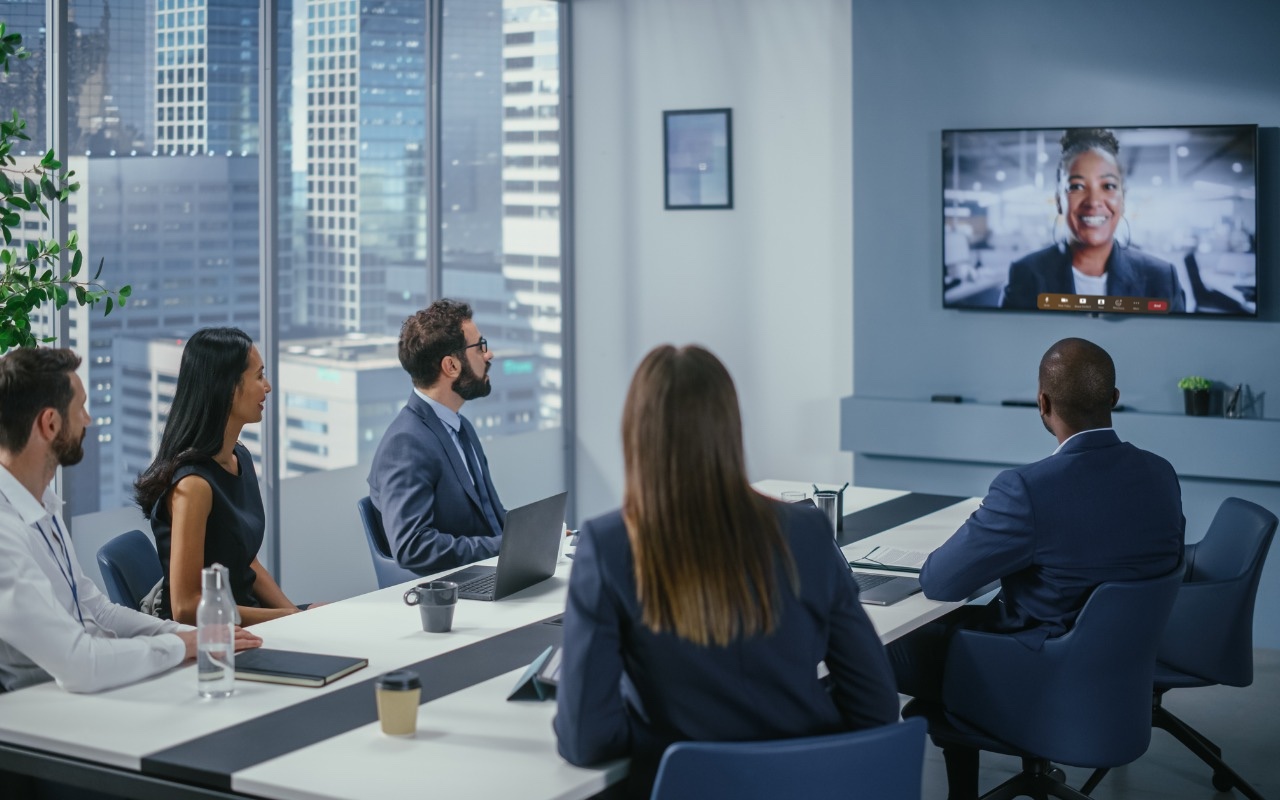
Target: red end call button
x,y
1157,305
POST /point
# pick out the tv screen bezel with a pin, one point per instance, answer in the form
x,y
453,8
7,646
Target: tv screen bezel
x,y
1259,237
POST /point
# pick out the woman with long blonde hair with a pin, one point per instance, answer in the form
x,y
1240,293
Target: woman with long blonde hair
x,y
701,609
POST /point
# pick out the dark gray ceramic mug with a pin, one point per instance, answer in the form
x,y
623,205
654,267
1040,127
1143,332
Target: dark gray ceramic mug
x,y
435,601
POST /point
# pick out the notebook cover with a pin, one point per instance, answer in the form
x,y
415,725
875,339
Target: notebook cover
x,y
294,668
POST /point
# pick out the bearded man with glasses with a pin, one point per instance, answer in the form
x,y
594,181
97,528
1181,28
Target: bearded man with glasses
x,y
430,479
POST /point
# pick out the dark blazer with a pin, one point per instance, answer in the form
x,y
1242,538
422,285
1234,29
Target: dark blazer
x,y
429,506
1099,510
1130,273
764,687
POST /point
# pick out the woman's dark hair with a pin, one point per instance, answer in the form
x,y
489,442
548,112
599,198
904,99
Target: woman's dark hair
x,y
709,555
213,365
1075,141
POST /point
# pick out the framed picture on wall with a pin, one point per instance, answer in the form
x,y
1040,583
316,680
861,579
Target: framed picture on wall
x,y
697,158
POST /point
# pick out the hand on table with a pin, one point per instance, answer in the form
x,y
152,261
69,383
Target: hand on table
x,y
244,641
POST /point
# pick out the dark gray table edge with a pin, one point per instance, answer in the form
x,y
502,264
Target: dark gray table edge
x,y
212,759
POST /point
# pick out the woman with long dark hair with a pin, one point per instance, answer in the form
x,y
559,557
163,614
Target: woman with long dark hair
x,y
201,492
701,609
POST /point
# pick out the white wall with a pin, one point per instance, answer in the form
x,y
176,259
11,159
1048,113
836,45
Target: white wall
x,y
768,285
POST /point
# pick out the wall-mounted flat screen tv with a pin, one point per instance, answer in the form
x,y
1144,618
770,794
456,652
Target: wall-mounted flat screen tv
x,y
1159,220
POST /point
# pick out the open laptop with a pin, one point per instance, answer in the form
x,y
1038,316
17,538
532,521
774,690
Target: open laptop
x,y
528,554
878,589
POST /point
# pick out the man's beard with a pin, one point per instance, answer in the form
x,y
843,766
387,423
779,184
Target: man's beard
x,y
68,449
469,385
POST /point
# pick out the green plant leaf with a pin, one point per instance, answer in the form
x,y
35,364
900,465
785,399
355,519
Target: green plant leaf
x,y
18,202
125,291
110,305
30,190
77,261
101,261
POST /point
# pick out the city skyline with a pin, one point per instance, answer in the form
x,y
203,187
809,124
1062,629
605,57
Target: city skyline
x,y
176,215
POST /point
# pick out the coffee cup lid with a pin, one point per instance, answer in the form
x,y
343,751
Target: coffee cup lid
x,y
399,680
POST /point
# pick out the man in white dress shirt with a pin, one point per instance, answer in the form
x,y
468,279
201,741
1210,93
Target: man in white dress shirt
x,y
54,622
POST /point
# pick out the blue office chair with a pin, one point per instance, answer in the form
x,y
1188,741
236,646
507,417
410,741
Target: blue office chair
x,y
130,568
385,567
1209,637
1082,699
882,763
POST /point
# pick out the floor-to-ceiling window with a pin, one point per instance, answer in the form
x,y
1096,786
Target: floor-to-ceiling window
x,y
363,247
163,127
161,109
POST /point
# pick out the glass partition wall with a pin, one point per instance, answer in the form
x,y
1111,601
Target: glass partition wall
x,y
413,150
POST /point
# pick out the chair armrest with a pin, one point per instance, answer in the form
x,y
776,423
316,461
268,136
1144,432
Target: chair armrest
x,y
993,682
1208,635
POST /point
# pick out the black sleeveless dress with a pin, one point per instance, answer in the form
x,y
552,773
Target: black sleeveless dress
x,y
233,534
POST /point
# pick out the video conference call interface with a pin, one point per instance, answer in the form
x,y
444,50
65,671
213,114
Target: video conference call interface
x,y
1178,207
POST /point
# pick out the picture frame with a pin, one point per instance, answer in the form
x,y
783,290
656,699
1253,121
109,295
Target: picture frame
x,y
697,159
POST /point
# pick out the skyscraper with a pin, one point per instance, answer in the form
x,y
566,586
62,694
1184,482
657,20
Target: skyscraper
x,y
206,72
363,268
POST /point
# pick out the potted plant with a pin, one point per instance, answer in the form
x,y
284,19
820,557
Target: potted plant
x,y
1195,394
36,274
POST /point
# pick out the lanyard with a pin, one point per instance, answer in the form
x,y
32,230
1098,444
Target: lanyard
x,y
68,574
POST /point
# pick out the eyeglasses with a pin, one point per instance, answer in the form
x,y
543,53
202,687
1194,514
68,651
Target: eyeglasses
x,y
483,344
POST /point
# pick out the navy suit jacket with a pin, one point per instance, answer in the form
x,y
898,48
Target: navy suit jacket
x,y
1050,532
429,505
1130,273
763,687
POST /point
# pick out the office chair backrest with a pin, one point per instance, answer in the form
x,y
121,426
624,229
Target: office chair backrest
x,y
1084,698
130,568
1210,632
882,763
385,567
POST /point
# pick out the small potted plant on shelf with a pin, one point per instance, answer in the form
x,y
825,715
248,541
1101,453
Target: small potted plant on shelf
x,y
1195,394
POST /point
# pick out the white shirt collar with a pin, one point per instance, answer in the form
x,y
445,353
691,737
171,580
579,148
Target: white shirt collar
x,y
29,509
1074,435
447,415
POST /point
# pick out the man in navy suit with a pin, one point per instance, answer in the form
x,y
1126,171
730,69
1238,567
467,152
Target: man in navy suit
x,y
1096,510
430,478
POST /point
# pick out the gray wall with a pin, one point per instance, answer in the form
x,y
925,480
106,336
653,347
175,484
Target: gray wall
x,y
920,67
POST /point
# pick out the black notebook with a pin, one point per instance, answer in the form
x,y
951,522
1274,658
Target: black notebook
x,y
294,668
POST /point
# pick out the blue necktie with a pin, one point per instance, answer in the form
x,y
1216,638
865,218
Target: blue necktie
x,y
477,477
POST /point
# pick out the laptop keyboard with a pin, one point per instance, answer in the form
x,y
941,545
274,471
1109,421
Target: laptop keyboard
x,y
866,580
483,584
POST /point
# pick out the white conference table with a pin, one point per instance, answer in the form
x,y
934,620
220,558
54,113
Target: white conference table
x,y
922,533
469,740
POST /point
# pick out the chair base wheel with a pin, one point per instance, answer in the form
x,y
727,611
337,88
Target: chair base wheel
x,y
1223,783
1057,775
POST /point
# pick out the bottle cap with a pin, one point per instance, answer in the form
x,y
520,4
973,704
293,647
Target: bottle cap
x,y
213,577
399,680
